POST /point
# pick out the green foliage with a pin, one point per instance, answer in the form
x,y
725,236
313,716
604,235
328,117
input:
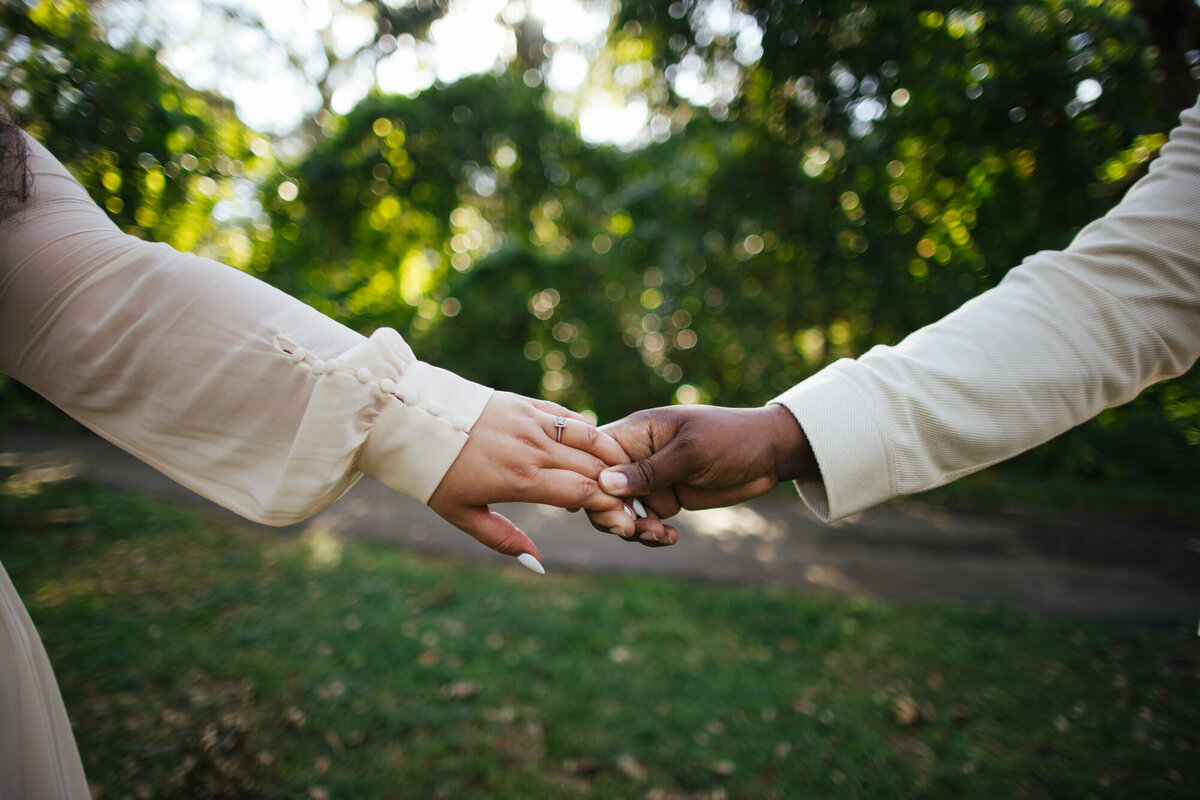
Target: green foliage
x,y
157,155
199,658
470,225
891,161
871,167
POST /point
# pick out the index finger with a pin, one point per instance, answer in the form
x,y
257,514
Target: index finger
x,y
567,488
493,530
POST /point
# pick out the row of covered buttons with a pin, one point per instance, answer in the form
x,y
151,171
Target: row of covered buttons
x,y
386,385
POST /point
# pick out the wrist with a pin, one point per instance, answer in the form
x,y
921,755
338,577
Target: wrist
x,y
792,454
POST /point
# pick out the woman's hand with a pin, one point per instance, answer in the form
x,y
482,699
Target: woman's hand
x,y
512,455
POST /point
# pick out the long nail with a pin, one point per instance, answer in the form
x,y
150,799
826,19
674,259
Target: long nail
x,y
639,508
529,562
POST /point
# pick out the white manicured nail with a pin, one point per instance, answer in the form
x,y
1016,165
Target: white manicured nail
x,y
629,511
529,562
639,508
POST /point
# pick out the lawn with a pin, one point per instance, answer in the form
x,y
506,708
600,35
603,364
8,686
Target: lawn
x,y
201,657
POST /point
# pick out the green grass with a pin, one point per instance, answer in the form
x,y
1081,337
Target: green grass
x,y
201,657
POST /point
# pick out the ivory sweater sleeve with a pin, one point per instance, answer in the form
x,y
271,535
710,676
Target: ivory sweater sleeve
x,y
1064,336
234,389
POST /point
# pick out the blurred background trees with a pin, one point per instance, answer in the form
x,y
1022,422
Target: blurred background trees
x,y
690,201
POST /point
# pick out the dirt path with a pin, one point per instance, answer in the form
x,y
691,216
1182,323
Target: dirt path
x,y
1120,569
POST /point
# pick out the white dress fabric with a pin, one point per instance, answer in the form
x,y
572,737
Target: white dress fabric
x,y
225,384
1064,336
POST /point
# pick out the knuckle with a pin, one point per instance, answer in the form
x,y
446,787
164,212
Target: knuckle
x,y
688,443
707,476
596,466
509,545
646,473
526,476
583,489
647,415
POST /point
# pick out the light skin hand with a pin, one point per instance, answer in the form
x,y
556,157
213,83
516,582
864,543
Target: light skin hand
x,y
706,456
512,455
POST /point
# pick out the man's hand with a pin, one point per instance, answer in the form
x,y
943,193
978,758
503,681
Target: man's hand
x,y
706,456
512,455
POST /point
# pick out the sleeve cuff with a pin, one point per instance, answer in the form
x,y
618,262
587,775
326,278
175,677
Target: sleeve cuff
x,y
848,441
421,429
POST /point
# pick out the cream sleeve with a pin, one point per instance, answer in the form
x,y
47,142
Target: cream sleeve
x,y
227,385
1064,336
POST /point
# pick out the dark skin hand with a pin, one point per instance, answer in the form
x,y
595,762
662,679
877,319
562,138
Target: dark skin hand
x,y
703,457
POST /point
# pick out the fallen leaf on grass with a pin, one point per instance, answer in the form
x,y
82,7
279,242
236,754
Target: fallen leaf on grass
x,y
63,516
805,704
675,794
331,690
631,768
460,689
907,712
503,714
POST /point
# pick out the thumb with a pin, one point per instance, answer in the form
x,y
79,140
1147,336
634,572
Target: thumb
x,y
499,533
657,471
